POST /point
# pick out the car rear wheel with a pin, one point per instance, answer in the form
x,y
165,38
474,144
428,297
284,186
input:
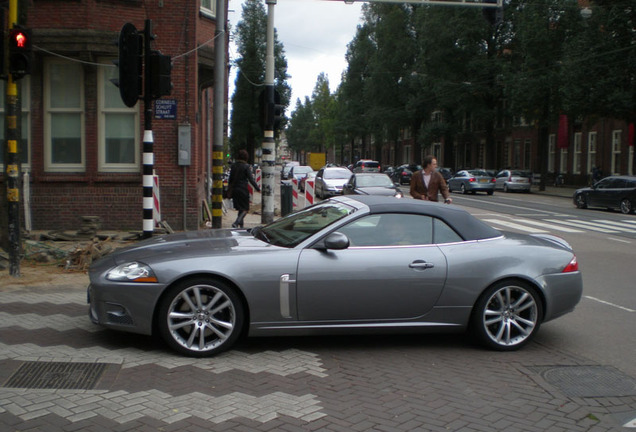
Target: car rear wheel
x,y
200,317
581,202
507,316
626,206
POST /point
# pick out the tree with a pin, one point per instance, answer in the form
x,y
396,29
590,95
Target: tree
x,y
300,130
251,40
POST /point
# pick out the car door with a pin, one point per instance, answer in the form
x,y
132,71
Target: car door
x,y
377,277
501,179
319,184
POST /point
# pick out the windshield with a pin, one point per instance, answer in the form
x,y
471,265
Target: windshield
x,y
342,173
374,180
302,169
293,229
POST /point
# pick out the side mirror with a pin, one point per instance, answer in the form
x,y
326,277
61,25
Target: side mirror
x,y
335,240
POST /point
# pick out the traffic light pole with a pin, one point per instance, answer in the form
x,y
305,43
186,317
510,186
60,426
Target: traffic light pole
x,y
148,154
12,164
269,146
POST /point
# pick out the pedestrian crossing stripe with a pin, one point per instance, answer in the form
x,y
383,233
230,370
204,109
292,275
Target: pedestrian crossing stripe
x,y
509,224
549,227
582,224
622,224
605,226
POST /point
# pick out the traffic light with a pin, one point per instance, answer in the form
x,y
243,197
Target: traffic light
x,y
130,64
160,71
279,111
20,52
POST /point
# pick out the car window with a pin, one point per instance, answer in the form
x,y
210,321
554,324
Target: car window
x,y
390,229
337,174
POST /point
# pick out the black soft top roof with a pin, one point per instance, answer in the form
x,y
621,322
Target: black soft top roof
x,y
466,225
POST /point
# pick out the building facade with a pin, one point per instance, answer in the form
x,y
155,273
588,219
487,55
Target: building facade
x,y
82,147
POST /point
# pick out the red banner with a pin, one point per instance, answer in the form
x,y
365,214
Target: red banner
x,y
562,137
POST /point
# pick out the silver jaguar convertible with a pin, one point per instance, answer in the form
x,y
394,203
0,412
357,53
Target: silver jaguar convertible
x,y
351,264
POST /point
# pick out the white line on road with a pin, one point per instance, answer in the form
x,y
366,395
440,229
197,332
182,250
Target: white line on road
x,y
609,304
579,224
514,225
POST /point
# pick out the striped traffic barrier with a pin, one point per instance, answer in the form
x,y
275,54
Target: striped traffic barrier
x,y
295,194
309,192
259,178
156,200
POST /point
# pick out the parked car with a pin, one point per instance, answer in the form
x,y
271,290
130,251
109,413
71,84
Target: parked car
x,y
615,192
303,181
366,165
472,181
371,184
285,172
330,181
299,172
513,180
337,267
402,174
447,173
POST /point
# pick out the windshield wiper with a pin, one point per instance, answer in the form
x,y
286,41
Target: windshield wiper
x,y
258,232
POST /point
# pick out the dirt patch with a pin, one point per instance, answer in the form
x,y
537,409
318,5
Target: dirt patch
x,y
32,275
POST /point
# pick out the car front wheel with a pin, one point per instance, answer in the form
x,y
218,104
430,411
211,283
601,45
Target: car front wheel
x,y
507,316
626,206
581,202
463,189
200,317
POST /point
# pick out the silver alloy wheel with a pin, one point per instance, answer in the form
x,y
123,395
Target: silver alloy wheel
x,y
463,189
626,206
201,318
509,316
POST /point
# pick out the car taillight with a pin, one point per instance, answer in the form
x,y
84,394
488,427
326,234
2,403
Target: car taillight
x,y
572,266
493,180
405,173
471,180
510,178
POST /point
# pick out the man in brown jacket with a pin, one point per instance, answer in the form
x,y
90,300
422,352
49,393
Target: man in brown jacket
x,y
427,183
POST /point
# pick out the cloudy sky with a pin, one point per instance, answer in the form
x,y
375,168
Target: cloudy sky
x,y
315,34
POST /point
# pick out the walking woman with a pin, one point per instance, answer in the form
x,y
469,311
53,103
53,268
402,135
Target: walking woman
x,y
237,187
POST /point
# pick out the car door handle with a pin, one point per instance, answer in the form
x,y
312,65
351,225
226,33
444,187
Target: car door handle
x,y
421,265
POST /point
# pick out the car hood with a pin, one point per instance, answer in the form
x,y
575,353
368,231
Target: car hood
x,y
376,190
188,244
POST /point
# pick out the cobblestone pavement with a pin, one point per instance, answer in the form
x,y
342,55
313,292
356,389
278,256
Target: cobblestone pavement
x,y
382,383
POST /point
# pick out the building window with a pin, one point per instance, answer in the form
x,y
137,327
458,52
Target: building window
x,y
63,116
576,162
24,145
591,151
551,152
616,151
563,161
208,8
118,127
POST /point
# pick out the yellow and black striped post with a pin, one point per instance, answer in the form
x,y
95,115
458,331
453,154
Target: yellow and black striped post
x,y
12,163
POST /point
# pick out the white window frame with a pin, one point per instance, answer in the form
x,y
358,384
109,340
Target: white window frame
x,y
591,151
208,8
551,152
616,150
576,162
103,111
563,161
25,99
49,166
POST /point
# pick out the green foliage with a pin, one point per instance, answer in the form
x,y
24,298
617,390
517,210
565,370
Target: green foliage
x,y
251,41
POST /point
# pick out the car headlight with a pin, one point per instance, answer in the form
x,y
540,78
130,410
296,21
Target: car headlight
x,y
132,272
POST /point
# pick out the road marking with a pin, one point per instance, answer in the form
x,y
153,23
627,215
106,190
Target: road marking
x,y
551,226
609,304
617,225
515,226
581,224
619,240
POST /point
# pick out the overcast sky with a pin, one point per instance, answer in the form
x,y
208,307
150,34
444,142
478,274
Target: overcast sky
x,y
314,33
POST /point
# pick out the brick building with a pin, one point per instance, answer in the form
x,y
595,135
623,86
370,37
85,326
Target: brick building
x,y
81,146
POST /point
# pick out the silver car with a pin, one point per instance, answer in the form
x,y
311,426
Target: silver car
x,y
330,181
476,180
351,264
513,180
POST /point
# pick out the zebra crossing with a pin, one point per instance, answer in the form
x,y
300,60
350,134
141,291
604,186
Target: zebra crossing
x,y
565,225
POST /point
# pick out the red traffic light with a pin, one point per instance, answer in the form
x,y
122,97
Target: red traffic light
x,y
20,40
